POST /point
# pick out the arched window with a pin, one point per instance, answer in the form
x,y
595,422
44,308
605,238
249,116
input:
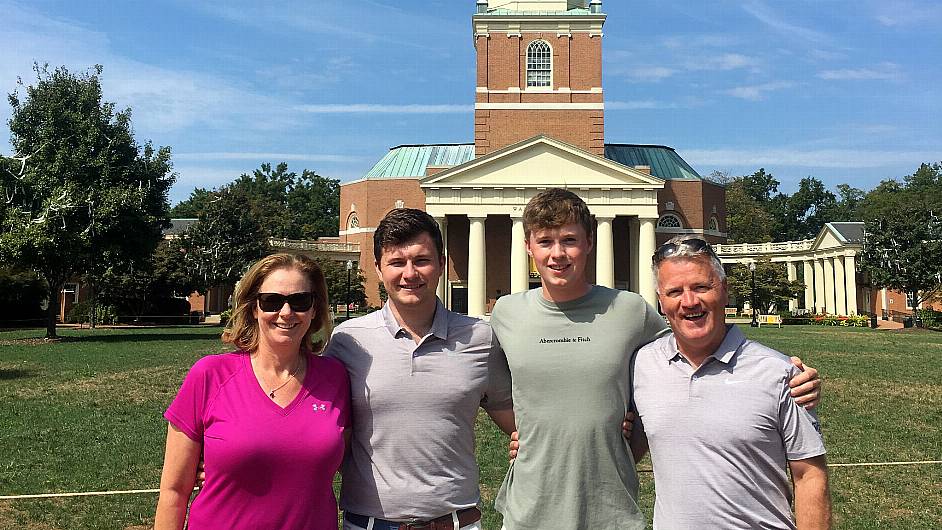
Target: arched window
x,y
714,224
669,220
539,64
353,221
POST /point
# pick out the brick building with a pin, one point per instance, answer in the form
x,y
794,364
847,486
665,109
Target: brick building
x,y
539,122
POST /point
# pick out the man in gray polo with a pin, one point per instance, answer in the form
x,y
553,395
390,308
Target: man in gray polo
x,y
715,410
418,374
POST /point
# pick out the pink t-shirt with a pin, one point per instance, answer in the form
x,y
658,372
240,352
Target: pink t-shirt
x,y
266,466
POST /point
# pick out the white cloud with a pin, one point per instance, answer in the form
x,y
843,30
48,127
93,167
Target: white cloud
x,y
650,73
373,108
900,13
813,158
883,71
724,62
779,24
757,92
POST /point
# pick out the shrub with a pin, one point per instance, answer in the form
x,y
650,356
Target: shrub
x,y
80,313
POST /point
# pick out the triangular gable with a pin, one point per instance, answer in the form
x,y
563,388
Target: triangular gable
x,y
542,161
829,237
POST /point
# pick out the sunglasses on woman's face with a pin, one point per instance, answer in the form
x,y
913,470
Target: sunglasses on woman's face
x,y
273,302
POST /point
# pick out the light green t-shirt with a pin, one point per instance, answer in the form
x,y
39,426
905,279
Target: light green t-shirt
x,y
569,364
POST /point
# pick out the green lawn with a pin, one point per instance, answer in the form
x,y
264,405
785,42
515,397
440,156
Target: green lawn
x,y
85,415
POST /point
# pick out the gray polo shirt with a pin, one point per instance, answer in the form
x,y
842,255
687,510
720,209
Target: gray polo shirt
x,y
720,436
414,405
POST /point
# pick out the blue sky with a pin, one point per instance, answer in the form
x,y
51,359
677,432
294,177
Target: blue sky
x,y
847,91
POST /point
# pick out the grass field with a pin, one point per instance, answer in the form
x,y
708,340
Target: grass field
x,y
85,415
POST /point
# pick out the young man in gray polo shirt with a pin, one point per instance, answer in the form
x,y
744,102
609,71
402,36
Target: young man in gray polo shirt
x,y
418,374
568,346
716,412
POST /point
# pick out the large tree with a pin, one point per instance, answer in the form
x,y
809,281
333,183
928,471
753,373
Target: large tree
x,y
772,287
78,184
226,238
288,205
903,239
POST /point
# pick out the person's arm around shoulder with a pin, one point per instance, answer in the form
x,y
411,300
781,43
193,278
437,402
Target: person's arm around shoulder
x,y
805,386
812,495
177,479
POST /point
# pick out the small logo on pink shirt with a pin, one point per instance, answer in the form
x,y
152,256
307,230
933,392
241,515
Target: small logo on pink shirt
x,y
320,407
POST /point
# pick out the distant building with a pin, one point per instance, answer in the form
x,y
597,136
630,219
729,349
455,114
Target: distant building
x,y
829,267
539,123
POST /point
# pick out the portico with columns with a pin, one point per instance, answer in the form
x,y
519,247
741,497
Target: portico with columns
x,y
493,190
828,264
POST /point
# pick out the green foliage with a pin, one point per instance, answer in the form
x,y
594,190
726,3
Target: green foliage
x,y
288,205
78,184
383,295
757,212
853,321
930,318
903,240
772,285
225,240
81,312
192,206
335,273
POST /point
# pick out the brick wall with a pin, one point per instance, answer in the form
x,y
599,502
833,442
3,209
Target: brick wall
x,y
501,65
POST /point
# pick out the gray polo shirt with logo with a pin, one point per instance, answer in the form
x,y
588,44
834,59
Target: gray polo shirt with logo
x,y
721,436
414,405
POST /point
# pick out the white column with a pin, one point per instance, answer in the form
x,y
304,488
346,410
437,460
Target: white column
x,y
604,253
850,280
519,260
443,279
646,247
808,271
885,300
792,270
477,303
634,231
818,285
839,284
829,286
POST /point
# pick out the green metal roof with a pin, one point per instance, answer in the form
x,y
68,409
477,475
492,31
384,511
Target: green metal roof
x,y
664,161
412,160
407,161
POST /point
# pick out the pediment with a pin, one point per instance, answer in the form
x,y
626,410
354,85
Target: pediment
x,y
542,162
827,239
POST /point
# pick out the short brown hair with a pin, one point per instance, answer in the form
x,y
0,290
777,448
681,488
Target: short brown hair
x,y
242,329
556,207
403,225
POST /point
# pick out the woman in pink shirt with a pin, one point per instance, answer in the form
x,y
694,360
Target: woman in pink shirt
x,y
269,420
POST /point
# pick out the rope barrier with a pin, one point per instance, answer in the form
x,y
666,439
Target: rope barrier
x,y
643,470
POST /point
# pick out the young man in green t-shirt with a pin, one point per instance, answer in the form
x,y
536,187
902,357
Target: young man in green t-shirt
x,y
568,345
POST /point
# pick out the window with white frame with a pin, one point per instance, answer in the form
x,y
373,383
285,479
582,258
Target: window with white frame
x,y
539,64
669,220
714,224
353,222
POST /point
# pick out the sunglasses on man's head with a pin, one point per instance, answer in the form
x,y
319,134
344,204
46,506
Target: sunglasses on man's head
x,y
696,246
273,302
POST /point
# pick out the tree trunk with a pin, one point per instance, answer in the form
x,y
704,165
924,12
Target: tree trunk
x,y
55,295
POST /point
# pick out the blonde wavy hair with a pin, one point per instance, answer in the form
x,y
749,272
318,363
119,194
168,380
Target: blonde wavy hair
x,y
242,329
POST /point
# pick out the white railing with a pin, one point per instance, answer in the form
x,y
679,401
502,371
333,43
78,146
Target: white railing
x,y
312,244
764,248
